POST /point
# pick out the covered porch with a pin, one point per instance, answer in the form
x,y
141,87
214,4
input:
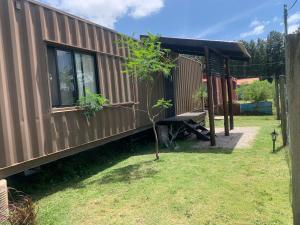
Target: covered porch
x,y
218,55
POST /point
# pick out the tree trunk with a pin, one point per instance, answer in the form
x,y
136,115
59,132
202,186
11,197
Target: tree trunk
x,y
151,118
156,141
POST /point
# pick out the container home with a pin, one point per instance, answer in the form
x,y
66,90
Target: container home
x,y
48,59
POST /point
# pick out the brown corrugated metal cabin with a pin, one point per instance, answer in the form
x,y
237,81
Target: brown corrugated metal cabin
x,y
47,59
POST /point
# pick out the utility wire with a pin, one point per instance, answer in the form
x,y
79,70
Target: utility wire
x,y
293,4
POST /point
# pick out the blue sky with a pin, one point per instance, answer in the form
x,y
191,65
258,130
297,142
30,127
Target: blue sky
x,y
213,19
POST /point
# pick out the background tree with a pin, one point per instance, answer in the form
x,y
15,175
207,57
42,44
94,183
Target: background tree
x,y
147,59
267,57
256,92
275,53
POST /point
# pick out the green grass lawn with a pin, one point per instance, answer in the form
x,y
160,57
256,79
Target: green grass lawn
x,y
215,187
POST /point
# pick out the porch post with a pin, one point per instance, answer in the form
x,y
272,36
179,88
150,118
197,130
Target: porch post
x,y
211,113
225,110
229,89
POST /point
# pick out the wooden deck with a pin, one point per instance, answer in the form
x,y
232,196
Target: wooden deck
x,y
186,123
188,116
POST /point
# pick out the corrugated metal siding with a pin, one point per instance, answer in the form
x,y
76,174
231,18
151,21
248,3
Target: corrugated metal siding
x,y
29,128
187,80
217,89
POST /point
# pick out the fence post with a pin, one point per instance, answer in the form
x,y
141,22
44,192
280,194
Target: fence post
x,y
283,105
293,87
277,101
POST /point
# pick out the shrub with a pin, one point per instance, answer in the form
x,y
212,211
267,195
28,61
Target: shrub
x,y
91,103
256,92
200,95
22,210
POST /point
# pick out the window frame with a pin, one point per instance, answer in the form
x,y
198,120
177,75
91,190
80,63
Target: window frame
x,y
75,80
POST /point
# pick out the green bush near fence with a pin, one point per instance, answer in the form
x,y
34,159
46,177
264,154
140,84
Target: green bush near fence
x,y
258,91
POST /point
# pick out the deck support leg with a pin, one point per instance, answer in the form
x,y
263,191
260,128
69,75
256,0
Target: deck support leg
x,y
229,89
225,110
211,113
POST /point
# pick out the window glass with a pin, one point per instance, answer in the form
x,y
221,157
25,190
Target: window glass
x,y
71,74
66,77
89,73
86,77
53,77
79,74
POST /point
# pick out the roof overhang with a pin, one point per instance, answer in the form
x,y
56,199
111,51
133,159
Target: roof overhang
x,y
229,49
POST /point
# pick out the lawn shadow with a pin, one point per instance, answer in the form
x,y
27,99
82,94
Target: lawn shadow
x,y
278,149
69,172
128,174
224,144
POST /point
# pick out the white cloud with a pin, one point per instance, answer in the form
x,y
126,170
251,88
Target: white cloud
x,y
107,12
292,28
295,18
142,8
224,23
293,22
255,23
257,30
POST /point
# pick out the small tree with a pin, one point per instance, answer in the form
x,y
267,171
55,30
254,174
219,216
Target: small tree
x,y
147,59
201,95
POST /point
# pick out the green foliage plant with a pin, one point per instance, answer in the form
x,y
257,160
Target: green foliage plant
x,y
258,91
201,95
91,103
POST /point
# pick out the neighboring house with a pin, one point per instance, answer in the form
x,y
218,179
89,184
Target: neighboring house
x,y
48,59
239,82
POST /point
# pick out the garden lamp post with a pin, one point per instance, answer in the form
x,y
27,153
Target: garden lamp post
x,y
274,135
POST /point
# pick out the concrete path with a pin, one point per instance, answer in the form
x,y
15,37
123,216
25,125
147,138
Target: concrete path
x,y
240,137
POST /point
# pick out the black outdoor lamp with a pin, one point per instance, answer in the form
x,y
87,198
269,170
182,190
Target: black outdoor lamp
x,y
274,137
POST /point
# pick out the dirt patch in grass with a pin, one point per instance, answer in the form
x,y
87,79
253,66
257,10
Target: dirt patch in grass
x,y
240,137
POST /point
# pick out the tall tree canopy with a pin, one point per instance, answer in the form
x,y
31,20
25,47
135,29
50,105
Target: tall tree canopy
x,y
267,57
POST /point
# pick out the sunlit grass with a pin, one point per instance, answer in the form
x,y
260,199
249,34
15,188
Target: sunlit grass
x,y
243,186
